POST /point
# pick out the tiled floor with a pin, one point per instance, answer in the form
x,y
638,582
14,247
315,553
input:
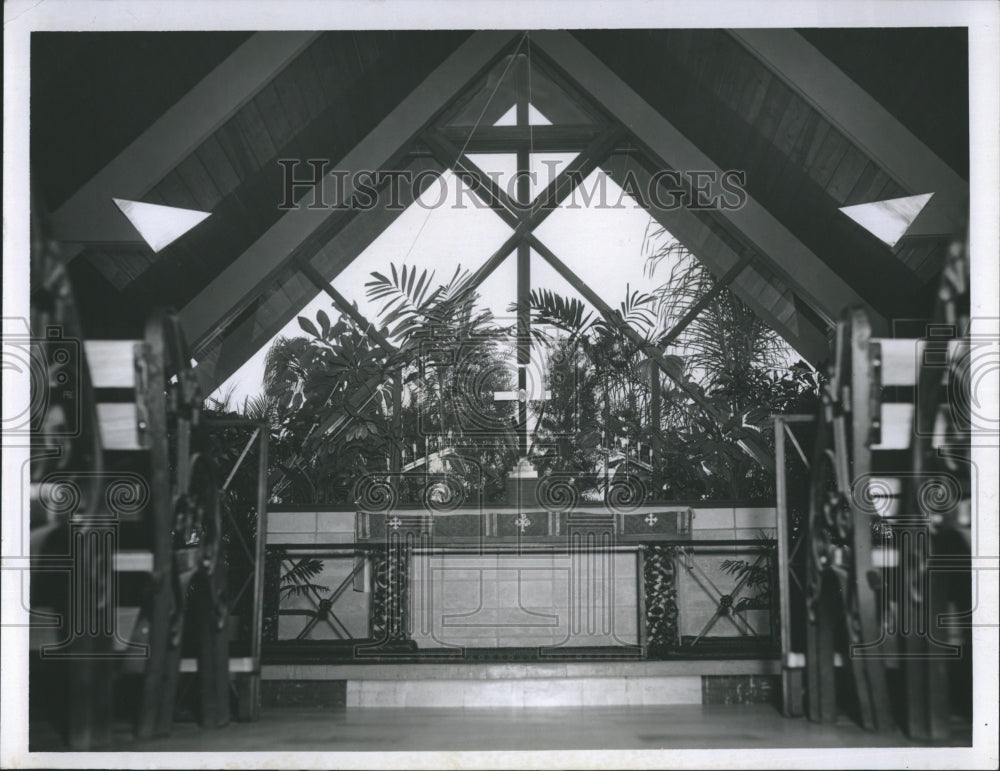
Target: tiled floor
x,y
646,727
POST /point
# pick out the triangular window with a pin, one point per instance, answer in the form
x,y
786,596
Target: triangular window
x,y
888,220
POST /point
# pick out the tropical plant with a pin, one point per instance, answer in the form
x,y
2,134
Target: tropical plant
x,y
724,344
758,574
453,359
329,393
326,440
329,396
741,365
598,379
726,354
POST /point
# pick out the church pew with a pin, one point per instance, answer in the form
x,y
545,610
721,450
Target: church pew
x,y
886,506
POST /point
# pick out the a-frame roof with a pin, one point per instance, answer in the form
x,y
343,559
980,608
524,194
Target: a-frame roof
x,y
808,115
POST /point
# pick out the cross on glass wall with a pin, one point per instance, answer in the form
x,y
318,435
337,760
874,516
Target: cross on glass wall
x,y
523,269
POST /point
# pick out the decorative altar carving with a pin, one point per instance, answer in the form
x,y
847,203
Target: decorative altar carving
x,y
659,577
390,600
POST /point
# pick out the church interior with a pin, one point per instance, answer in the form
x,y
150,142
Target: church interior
x,y
580,389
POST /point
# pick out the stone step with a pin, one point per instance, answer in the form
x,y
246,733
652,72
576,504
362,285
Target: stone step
x,y
530,692
579,684
465,670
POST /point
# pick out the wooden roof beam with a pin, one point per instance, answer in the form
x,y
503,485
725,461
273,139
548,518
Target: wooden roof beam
x,y
508,139
867,124
90,217
811,278
244,336
251,270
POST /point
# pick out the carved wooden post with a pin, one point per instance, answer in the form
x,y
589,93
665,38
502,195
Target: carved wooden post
x,y
660,587
388,615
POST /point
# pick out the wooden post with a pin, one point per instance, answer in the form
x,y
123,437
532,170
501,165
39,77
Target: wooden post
x,y
248,691
791,676
523,269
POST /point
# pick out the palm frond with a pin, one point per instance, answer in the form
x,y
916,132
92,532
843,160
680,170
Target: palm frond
x,y
726,342
261,407
638,309
405,296
223,402
566,313
303,589
301,573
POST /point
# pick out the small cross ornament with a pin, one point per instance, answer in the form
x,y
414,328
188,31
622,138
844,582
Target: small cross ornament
x,y
522,523
395,522
651,519
521,395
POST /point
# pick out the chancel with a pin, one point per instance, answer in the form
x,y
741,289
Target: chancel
x,y
633,374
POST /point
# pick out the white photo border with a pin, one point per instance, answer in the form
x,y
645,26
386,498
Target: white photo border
x,y
982,18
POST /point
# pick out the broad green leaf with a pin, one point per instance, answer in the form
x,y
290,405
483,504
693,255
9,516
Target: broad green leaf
x,y
308,326
324,322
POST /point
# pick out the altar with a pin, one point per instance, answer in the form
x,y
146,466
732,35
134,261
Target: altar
x,y
512,583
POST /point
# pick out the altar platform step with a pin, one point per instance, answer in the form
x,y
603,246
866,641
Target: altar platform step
x,y
517,685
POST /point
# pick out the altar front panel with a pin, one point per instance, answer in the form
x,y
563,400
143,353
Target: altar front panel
x,y
584,598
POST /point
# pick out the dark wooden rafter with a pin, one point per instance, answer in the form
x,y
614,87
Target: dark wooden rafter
x,y
809,276
499,101
580,100
562,104
506,139
90,216
330,250
252,269
712,239
243,310
868,125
